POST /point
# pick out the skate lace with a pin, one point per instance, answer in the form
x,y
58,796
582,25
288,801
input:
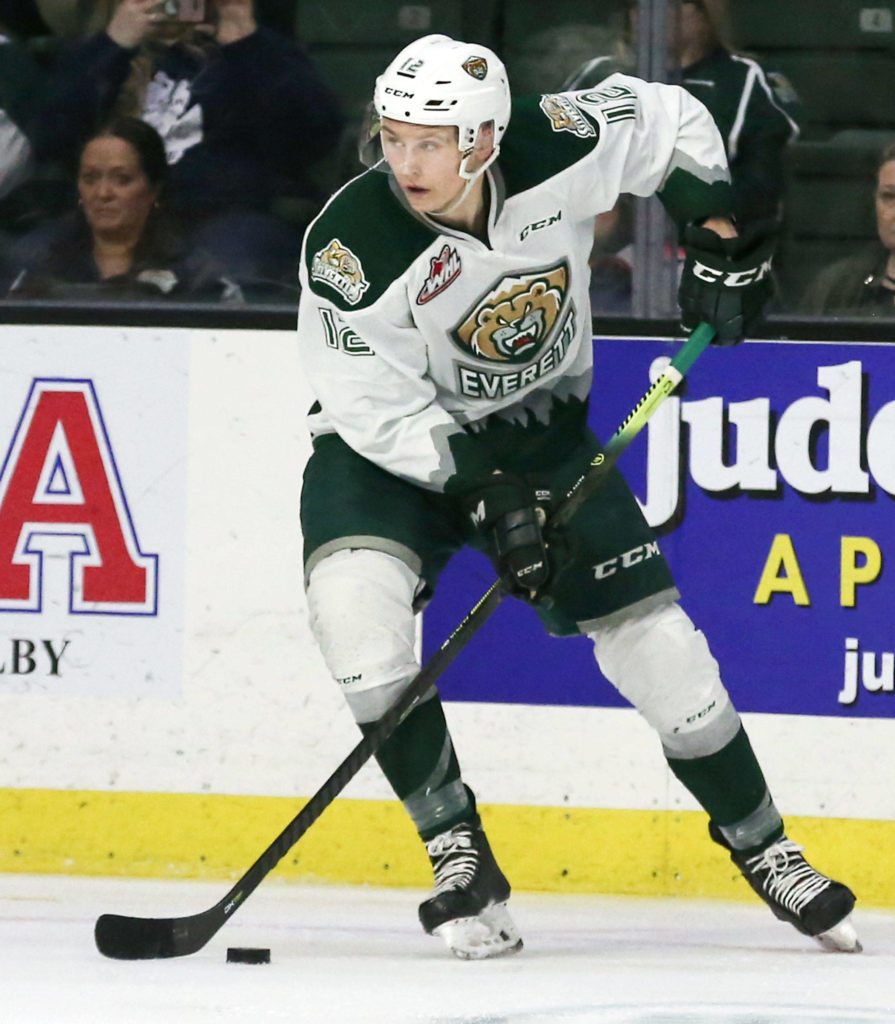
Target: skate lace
x,y
455,859
789,878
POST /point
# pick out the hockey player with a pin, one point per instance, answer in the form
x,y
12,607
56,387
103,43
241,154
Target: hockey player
x,y
445,329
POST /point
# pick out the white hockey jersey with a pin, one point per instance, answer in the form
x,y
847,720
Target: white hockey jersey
x,y
413,334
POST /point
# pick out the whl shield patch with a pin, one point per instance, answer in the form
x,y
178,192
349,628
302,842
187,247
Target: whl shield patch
x,y
443,269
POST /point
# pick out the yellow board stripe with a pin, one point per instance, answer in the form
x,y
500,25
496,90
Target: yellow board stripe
x,y
583,850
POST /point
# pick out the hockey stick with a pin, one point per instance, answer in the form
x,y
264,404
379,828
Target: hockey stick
x,y
141,938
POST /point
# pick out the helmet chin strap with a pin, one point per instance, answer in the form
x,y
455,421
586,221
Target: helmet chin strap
x,y
470,177
453,205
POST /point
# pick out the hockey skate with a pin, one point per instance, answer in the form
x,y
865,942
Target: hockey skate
x,y
814,904
468,906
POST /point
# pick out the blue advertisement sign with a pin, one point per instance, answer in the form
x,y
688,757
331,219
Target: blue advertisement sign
x,y
770,480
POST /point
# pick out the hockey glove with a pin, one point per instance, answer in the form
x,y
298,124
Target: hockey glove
x,y
726,281
503,509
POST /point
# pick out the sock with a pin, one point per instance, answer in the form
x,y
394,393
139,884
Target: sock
x,y
731,787
419,761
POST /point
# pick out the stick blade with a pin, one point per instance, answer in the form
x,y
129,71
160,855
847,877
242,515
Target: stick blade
x,y
142,938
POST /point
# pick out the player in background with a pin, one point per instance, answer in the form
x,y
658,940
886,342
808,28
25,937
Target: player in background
x,y
445,329
755,109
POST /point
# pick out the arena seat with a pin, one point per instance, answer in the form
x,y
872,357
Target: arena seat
x,y
839,55
812,24
522,20
834,89
352,42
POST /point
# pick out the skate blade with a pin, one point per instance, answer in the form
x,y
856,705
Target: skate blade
x,y
841,938
490,933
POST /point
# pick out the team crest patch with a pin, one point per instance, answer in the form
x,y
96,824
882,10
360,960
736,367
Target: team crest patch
x,y
337,266
443,269
476,66
566,117
523,328
511,323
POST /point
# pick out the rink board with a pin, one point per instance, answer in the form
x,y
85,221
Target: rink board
x,y
371,842
145,726
774,509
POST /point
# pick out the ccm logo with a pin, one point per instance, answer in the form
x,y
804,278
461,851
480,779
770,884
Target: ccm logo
x,y
626,561
738,280
399,93
530,569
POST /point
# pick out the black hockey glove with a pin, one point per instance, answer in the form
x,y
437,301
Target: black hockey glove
x,y
503,509
726,281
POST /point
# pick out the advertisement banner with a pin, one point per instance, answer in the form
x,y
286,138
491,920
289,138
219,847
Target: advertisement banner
x,y
770,480
93,440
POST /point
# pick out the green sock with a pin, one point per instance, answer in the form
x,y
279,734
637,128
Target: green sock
x,y
419,761
729,784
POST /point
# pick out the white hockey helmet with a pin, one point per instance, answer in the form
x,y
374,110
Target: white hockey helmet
x,y
437,80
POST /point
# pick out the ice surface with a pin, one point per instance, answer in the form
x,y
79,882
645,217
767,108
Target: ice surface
x,y
357,956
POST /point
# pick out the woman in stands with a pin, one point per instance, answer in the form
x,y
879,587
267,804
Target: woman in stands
x,y
120,243
863,284
242,110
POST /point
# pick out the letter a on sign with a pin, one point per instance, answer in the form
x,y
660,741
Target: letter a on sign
x,y
60,481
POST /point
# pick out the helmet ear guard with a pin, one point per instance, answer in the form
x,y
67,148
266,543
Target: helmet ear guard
x,y
440,81
469,152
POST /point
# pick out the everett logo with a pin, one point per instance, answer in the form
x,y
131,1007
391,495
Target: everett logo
x,y
525,325
512,321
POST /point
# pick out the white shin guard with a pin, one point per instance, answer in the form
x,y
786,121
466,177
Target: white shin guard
x,y
661,663
361,613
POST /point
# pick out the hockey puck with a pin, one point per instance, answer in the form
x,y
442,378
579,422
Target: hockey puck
x,y
247,955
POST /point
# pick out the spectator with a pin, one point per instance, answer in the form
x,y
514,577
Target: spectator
x,y
863,284
241,109
120,244
21,81
752,109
